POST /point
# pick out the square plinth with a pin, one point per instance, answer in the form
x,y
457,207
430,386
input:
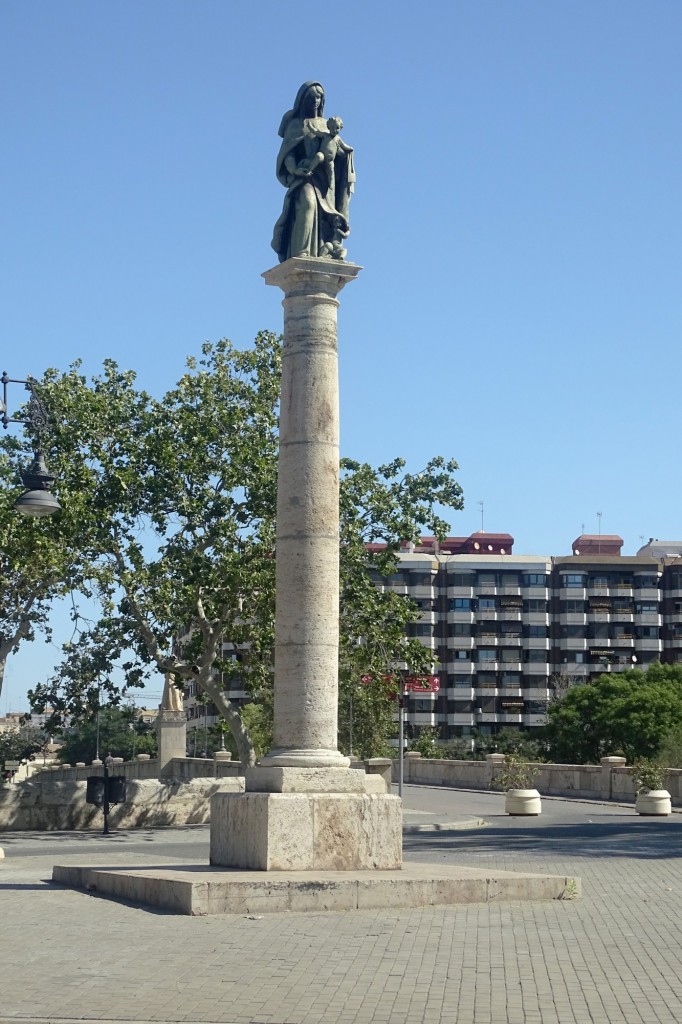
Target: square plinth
x,y
306,831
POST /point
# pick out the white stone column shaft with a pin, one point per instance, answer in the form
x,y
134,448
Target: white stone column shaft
x,y
307,557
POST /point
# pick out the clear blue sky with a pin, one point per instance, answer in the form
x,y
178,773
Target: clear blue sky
x,y
518,214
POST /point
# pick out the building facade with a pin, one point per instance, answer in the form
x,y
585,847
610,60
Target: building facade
x,y
509,631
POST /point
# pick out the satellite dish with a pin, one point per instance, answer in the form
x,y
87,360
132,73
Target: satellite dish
x,y
575,551
490,547
476,545
502,551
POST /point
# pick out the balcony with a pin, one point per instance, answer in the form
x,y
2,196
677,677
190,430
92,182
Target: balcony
x,y
421,592
650,644
650,593
460,592
459,643
573,618
459,693
572,643
535,668
509,590
534,719
536,643
461,615
654,619
460,718
510,614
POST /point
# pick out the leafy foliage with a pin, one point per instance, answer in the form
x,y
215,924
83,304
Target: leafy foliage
x,y
648,775
177,499
121,732
516,774
21,744
426,742
628,713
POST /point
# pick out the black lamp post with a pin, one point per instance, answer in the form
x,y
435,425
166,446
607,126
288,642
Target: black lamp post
x,y
37,500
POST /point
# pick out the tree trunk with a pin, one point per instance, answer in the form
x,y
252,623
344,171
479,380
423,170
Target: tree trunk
x,y
245,748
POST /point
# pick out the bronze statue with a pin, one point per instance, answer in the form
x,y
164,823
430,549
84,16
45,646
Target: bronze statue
x,y
316,167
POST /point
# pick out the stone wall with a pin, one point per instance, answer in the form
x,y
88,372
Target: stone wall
x,y
609,780
144,767
53,805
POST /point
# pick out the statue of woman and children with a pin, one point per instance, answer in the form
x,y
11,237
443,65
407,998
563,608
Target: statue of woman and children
x,y
316,167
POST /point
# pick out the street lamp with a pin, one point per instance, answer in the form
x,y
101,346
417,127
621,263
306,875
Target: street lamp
x,y
37,500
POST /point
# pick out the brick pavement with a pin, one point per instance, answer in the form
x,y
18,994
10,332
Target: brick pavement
x,y
611,958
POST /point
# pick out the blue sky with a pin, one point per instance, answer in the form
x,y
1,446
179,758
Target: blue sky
x,y
518,214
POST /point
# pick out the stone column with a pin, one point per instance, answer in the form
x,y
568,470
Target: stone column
x,y
307,589
304,808
171,734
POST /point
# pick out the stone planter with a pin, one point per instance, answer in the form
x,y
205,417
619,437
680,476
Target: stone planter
x,y
653,801
522,801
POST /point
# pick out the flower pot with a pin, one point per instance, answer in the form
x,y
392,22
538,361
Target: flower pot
x,y
653,801
522,801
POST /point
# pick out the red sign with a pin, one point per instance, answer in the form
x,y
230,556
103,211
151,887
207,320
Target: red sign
x,y
411,684
422,684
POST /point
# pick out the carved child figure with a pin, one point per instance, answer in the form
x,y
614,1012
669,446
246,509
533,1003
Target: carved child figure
x,y
335,248
330,146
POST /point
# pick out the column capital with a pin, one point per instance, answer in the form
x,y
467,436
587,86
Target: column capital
x,y
304,275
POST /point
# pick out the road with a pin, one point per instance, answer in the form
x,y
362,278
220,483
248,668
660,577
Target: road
x,y
611,958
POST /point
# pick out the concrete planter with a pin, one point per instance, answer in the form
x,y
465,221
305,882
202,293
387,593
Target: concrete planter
x,y
653,801
522,801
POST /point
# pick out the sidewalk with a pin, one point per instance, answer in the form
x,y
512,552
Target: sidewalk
x,y
613,956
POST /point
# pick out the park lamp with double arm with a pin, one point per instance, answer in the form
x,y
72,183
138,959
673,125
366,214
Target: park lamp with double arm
x,y
37,500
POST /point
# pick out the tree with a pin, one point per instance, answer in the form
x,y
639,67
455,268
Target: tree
x,y
179,526
39,558
21,744
116,731
627,713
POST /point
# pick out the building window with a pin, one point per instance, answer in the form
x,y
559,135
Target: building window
x,y
573,632
460,604
535,605
459,629
647,607
573,607
574,579
645,581
487,654
462,681
461,579
462,655
533,655
511,679
534,579
647,632
537,631
487,603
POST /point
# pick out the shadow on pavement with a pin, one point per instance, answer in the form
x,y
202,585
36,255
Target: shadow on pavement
x,y
641,838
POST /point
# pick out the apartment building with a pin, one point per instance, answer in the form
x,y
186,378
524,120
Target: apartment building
x,y
507,630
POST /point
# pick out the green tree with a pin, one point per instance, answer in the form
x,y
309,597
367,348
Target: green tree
x,y
179,501
627,713
116,731
21,744
40,559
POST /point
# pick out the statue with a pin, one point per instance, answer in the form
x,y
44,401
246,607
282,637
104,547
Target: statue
x,y
172,695
316,167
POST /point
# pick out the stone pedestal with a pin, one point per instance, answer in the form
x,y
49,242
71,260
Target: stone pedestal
x,y
306,831
171,733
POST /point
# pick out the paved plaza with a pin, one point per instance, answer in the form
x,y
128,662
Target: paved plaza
x,y
615,956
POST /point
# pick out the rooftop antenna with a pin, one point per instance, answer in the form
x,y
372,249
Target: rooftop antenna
x,y
599,533
480,505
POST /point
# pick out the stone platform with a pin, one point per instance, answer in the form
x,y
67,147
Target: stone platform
x,y
199,890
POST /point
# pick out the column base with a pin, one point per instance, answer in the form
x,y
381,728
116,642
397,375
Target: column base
x,y
289,758
306,831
